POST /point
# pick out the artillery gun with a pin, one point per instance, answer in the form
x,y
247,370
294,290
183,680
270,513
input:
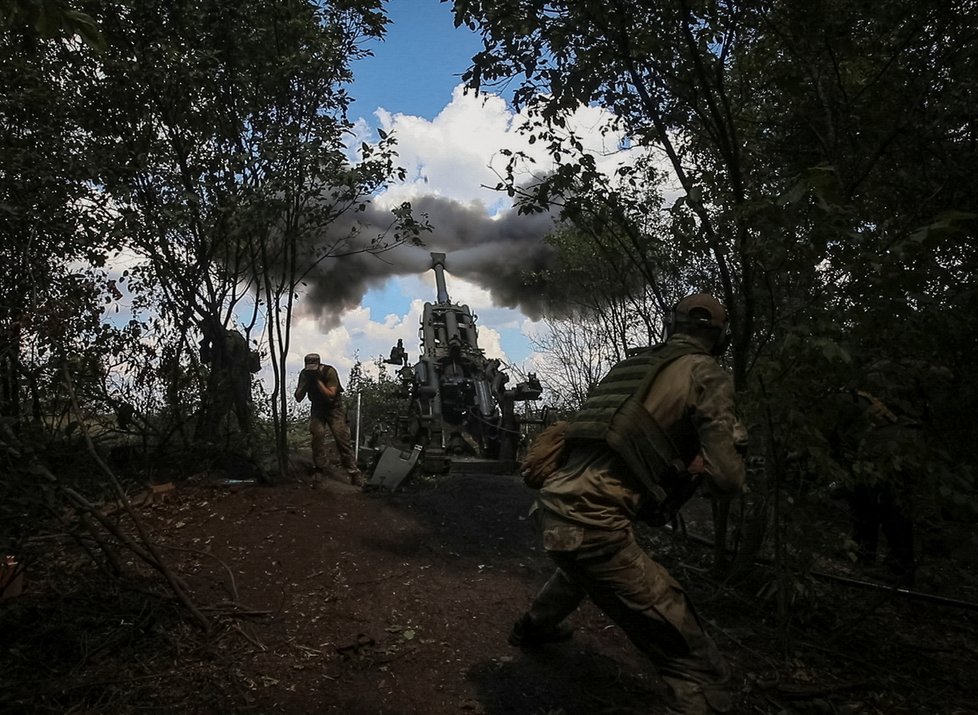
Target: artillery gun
x,y
458,408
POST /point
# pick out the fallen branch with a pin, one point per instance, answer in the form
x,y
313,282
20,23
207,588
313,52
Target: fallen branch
x,y
251,639
235,610
155,560
234,587
790,691
862,584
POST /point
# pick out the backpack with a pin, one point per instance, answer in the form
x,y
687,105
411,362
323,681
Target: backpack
x,y
545,456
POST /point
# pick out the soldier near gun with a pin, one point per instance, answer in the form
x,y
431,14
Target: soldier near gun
x,y
322,384
631,452
232,363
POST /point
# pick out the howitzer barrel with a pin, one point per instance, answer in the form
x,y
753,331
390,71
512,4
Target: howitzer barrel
x,y
458,404
438,264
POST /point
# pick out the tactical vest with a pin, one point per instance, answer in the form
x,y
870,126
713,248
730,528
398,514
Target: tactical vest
x,y
614,415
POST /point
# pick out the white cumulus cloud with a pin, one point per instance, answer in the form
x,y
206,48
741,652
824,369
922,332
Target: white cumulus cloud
x,y
455,157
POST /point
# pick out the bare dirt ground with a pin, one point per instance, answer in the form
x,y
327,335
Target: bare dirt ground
x,y
380,603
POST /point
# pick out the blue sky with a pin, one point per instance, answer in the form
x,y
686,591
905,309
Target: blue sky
x,y
415,72
449,143
454,147
419,63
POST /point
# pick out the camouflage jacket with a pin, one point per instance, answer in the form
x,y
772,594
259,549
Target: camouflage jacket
x,y
321,405
692,398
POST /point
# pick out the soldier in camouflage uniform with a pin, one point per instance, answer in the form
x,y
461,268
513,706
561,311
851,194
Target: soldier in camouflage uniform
x,y
322,384
232,363
881,452
586,508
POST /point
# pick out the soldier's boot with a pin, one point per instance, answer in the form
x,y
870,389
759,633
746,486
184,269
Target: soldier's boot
x,y
356,478
527,634
316,478
690,698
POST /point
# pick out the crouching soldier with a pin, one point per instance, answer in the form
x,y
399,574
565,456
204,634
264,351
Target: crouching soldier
x,y
655,424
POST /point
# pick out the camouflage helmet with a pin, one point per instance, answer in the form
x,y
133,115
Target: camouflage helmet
x,y
701,310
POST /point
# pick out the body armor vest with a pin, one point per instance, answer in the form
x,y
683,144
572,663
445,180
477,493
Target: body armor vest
x,y
614,415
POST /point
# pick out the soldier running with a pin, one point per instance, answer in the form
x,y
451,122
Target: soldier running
x,y
654,422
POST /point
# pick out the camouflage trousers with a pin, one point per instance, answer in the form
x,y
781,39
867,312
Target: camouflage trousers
x,y
335,421
641,597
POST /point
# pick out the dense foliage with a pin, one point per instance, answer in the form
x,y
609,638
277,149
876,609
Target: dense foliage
x,y
171,172
381,396
821,153
182,170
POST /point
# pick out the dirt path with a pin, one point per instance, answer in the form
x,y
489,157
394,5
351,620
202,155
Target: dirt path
x,y
400,604
397,603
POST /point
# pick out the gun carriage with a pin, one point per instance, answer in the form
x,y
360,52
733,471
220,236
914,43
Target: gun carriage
x,y
458,406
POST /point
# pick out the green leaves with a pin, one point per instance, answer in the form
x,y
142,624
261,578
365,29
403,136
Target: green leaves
x,y
50,19
945,224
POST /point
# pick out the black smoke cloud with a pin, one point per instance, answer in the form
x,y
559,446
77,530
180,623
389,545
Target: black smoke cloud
x,y
499,254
